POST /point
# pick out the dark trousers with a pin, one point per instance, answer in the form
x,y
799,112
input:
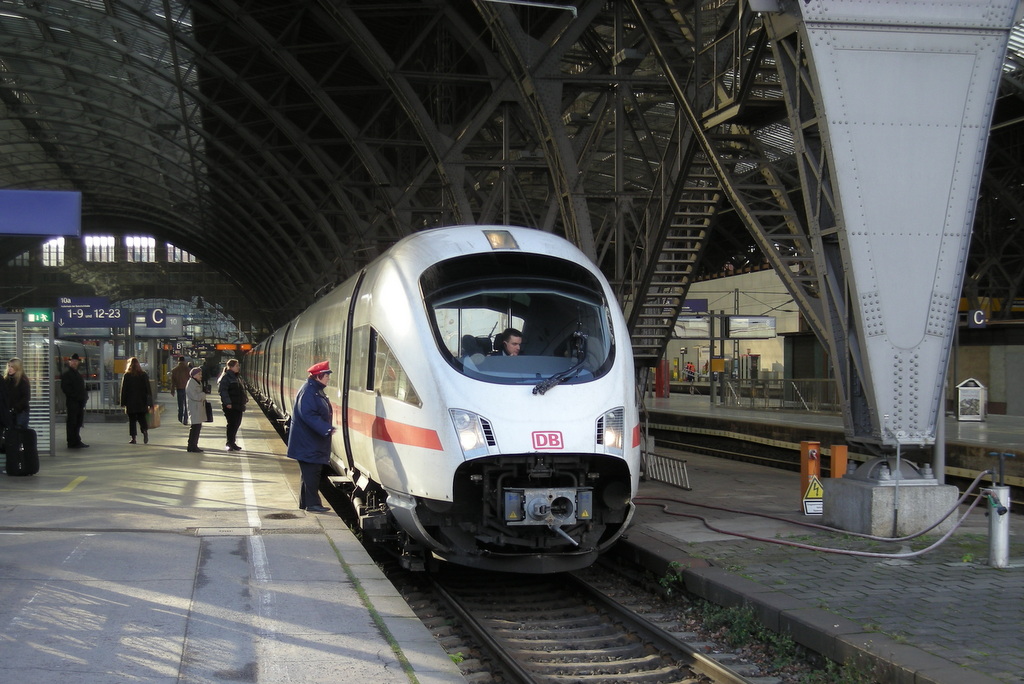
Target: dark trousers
x,y
140,419
193,435
234,420
182,411
309,492
76,417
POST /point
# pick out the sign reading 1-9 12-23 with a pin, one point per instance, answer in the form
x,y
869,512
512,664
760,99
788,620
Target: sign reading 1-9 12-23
x,y
89,312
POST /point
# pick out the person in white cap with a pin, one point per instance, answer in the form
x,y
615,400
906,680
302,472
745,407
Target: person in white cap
x,y
309,438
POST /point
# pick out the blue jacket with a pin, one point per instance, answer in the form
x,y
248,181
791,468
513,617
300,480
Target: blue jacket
x,y
309,438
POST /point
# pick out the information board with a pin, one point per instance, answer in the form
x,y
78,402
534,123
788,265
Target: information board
x,y
89,312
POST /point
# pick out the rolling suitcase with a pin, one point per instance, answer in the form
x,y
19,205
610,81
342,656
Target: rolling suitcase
x,y
21,447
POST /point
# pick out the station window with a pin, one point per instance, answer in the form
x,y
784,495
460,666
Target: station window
x,y
176,255
53,252
140,249
20,260
99,248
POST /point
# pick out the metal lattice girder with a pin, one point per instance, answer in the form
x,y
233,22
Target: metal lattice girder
x,y
287,143
729,95
879,92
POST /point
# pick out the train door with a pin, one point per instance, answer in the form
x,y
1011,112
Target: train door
x,y
348,366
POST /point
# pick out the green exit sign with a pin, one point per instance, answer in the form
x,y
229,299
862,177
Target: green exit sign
x,y
39,315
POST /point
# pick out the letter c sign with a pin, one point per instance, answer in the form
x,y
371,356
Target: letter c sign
x,y
976,319
156,318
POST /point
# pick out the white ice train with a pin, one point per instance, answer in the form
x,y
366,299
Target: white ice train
x,y
523,463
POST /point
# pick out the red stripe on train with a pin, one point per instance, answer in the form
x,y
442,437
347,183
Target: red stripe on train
x,y
392,431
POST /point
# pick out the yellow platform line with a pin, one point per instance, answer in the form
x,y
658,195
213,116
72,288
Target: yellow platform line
x,y
74,483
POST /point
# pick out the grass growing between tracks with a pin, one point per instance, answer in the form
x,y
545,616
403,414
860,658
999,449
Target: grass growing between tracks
x,y
739,628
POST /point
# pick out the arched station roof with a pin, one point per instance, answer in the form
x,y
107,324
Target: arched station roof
x,y
287,143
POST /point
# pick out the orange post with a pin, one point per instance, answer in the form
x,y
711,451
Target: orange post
x,y
661,386
810,464
837,464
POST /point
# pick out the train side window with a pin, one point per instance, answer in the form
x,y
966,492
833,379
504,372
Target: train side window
x,y
390,378
361,368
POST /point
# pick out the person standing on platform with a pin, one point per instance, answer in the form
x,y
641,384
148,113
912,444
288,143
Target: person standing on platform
x,y
309,439
75,395
211,369
19,393
196,408
179,381
232,399
137,399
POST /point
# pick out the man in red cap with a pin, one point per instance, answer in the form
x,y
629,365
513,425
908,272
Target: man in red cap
x,y
309,438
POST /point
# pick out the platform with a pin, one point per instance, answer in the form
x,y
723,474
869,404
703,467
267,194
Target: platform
x,y
968,443
944,617
146,563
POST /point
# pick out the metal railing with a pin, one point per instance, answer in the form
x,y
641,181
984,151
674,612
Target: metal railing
x,y
817,396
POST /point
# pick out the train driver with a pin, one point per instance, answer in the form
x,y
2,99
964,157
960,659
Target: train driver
x,y
508,343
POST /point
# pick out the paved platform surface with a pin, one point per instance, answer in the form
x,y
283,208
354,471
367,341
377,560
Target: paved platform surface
x,y
944,617
146,563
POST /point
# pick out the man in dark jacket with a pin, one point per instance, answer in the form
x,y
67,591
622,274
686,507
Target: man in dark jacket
x,y
180,375
232,400
309,439
75,395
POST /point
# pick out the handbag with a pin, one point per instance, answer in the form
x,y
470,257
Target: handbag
x,y
209,412
153,417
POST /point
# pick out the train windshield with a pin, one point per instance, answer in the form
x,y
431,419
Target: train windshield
x,y
553,329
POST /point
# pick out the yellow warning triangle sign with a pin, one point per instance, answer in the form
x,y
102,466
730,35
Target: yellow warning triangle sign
x,y
814,489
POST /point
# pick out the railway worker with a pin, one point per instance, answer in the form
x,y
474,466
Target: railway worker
x,y
137,399
72,384
232,400
309,439
180,376
195,413
508,343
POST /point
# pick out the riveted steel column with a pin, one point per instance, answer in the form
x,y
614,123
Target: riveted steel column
x,y
891,142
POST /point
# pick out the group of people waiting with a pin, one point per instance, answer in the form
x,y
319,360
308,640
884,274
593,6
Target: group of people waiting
x,y
309,440
187,384
136,396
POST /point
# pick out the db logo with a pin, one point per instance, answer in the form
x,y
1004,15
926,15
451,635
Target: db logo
x,y
547,440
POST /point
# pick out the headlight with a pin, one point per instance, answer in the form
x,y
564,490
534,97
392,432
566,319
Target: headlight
x,y
610,430
470,428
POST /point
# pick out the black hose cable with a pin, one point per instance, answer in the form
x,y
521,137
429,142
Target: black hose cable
x,y
826,528
823,549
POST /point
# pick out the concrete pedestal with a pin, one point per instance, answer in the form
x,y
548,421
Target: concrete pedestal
x,y
867,508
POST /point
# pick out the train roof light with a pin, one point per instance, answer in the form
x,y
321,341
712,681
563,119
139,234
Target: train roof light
x,y
501,239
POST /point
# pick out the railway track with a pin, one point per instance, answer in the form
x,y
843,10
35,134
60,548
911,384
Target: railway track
x,y
566,628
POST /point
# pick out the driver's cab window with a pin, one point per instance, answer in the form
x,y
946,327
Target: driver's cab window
x,y
558,331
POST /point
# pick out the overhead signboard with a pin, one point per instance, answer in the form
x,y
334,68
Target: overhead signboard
x,y
89,312
694,306
159,324
41,212
750,327
693,328
156,318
